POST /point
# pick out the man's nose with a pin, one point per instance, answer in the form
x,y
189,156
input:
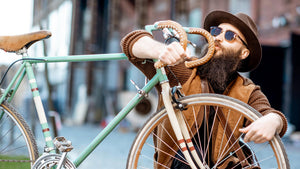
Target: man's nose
x,y
219,37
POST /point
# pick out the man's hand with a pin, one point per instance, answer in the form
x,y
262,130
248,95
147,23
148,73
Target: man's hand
x,y
263,129
171,54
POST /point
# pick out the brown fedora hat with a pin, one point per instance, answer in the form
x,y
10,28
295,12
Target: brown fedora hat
x,y
247,27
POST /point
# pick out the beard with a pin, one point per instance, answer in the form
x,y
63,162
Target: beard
x,y
220,69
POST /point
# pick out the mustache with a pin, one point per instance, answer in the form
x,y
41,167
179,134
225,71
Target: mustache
x,y
217,43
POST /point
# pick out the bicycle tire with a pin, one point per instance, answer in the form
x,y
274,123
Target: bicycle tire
x,y
273,155
18,148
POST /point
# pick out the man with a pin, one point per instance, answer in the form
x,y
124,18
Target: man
x,y
237,50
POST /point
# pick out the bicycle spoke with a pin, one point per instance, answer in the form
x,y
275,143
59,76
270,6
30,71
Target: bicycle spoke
x,y
224,159
170,155
210,135
166,152
174,142
151,159
197,143
17,142
228,141
12,150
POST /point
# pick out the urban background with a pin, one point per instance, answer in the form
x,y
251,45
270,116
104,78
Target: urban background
x,y
93,92
93,26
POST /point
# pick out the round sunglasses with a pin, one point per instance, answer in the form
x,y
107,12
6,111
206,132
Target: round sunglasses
x,y
229,35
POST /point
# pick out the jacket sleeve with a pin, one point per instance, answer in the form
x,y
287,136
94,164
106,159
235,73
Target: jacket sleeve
x,y
260,102
128,41
146,66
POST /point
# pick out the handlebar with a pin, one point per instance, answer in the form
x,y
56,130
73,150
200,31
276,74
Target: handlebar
x,y
182,33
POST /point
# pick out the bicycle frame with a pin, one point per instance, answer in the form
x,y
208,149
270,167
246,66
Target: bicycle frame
x,y
26,69
160,77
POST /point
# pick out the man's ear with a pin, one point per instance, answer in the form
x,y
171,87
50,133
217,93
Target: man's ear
x,y
245,53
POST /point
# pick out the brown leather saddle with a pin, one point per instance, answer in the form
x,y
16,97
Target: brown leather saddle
x,y
17,42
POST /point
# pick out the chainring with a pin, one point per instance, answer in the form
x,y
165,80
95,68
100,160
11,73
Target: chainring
x,y
49,161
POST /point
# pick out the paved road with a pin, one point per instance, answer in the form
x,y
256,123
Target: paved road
x,y
110,154
293,151
106,158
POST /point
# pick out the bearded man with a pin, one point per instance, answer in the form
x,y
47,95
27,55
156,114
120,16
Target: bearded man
x,y
237,49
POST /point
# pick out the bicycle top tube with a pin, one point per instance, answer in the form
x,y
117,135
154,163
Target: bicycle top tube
x,y
78,58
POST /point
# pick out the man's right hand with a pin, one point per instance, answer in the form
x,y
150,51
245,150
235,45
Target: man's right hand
x,y
171,54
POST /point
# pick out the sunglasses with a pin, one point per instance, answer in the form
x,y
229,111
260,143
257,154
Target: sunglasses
x,y
229,35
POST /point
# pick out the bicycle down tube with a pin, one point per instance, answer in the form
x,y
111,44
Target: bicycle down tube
x,y
121,115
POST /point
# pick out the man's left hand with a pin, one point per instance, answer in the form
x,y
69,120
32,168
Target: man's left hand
x,y
263,129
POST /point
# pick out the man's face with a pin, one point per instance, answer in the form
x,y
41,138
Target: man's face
x,y
226,59
235,45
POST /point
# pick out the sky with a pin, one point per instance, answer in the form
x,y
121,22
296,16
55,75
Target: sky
x,y
15,19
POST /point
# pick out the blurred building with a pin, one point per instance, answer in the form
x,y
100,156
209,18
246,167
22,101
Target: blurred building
x,y
93,26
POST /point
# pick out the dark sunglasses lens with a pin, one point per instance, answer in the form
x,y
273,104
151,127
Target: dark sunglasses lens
x,y
229,35
215,31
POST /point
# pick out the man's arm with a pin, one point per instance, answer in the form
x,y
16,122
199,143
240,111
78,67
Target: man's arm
x,y
265,127
147,47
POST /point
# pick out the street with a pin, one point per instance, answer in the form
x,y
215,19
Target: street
x,y
112,152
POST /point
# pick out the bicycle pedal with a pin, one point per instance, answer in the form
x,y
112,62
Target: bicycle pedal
x,y
62,144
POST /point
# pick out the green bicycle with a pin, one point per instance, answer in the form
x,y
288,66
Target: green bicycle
x,y
18,148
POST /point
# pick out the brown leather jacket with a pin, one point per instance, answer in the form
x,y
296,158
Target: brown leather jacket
x,y
241,88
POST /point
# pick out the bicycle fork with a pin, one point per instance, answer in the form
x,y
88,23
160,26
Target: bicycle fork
x,y
180,129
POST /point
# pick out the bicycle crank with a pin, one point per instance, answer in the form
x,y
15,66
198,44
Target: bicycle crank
x,y
57,161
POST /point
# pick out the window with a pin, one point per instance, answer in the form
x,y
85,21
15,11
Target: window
x,y
236,6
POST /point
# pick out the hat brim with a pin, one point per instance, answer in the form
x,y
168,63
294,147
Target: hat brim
x,y
215,18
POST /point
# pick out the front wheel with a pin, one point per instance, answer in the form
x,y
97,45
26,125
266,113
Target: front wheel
x,y
18,148
155,140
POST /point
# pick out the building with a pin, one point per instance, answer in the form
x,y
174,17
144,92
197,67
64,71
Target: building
x,y
92,26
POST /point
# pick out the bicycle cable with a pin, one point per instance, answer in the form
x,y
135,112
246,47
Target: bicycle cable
x,y
11,65
173,74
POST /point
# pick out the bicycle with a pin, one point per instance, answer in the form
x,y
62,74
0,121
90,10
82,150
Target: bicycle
x,y
18,146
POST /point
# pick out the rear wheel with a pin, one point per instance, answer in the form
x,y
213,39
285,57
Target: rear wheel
x,y
267,155
18,147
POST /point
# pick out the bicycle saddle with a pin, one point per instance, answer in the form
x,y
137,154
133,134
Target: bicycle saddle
x,y
17,42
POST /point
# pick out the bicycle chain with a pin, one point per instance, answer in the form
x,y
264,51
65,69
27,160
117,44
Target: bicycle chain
x,y
16,161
